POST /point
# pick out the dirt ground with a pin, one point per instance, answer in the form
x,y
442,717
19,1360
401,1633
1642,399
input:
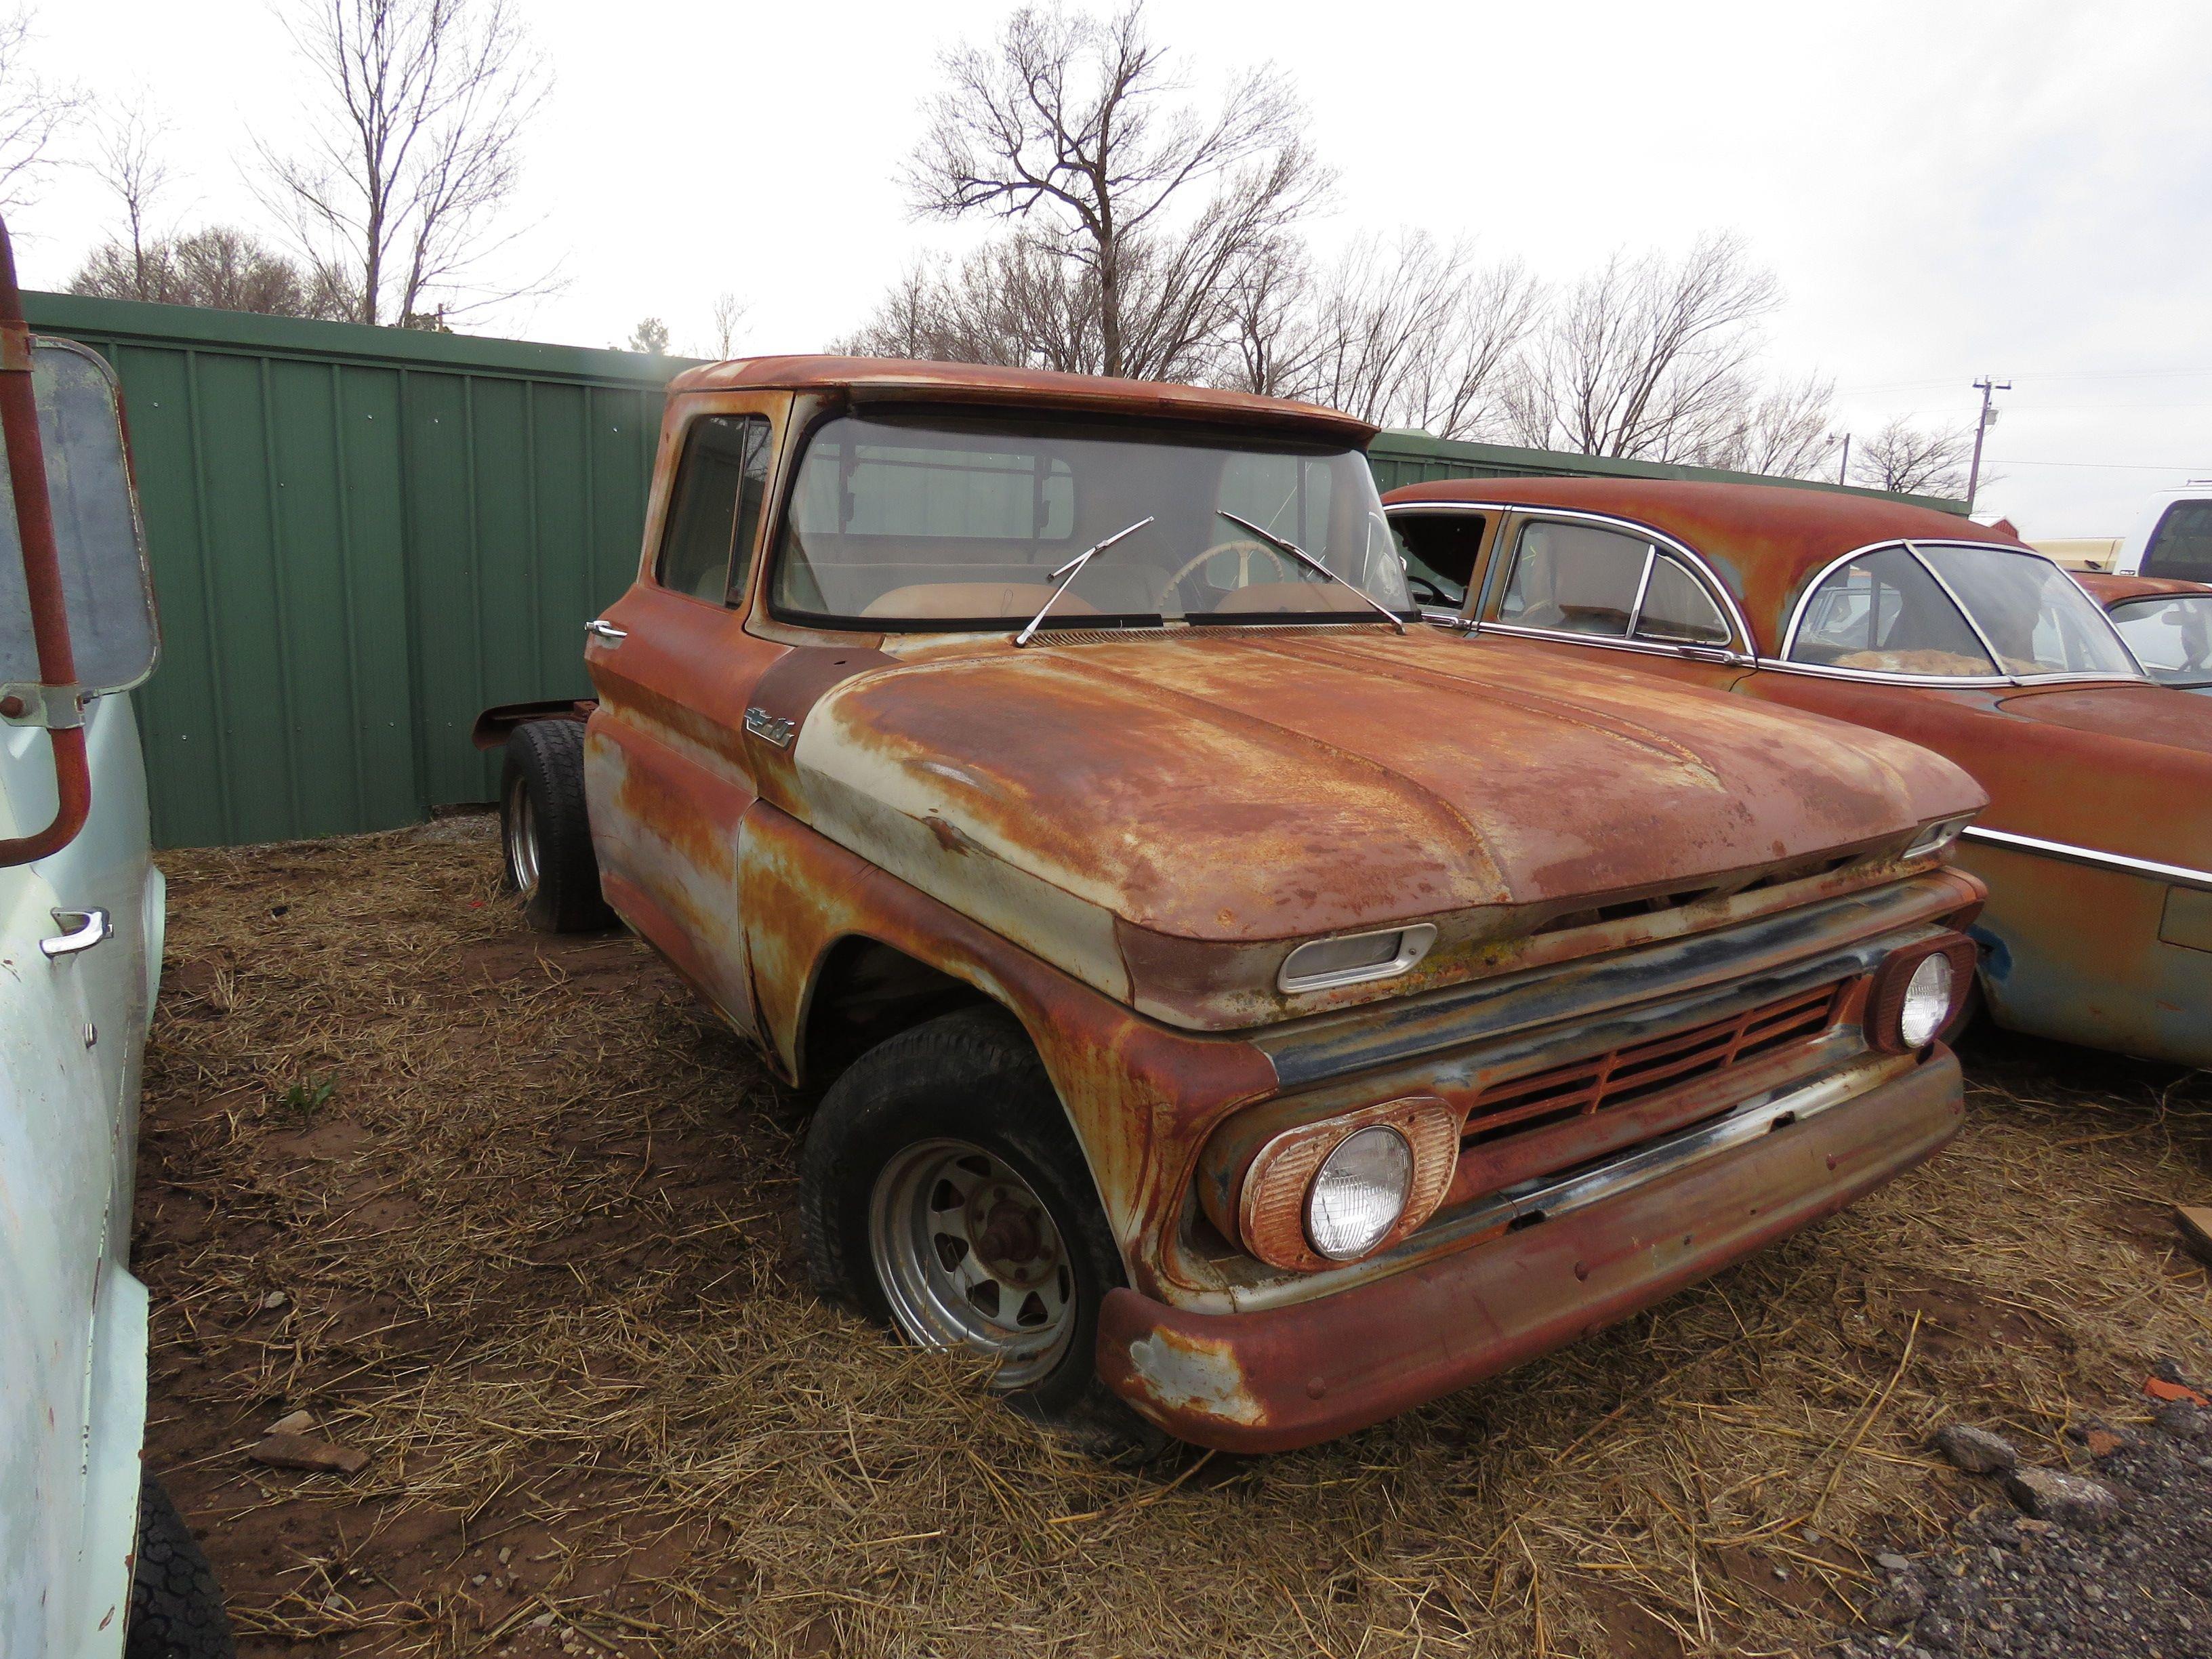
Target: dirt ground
x,y
513,1217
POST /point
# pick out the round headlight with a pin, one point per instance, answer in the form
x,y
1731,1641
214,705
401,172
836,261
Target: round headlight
x,y
1359,1193
1927,1001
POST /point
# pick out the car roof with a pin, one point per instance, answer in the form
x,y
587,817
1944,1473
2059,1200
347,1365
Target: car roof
x,y
2109,589
894,380
1767,541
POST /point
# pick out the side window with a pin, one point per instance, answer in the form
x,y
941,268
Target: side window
x,y
1438,550
714,506
1574,578
1883,614
1680,609
2181,546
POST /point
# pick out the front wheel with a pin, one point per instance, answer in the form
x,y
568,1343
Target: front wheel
x,y
942,1191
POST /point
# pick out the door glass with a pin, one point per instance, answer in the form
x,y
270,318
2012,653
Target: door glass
x,y
2181,546
2171,637
2036,615
715,503
1574,578
1438,551
1883,614
1678,608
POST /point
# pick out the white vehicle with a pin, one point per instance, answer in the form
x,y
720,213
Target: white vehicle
x,y
93,1560
2174,537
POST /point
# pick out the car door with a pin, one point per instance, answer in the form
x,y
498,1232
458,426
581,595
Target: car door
x,y
1579,582
667,775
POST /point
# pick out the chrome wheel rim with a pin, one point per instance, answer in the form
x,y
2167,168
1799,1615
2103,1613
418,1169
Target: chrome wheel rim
x,y
970,1257
519,826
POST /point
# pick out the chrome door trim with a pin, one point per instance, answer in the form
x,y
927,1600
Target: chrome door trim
x,y
2180,874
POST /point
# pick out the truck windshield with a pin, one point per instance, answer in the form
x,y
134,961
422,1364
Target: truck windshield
x,y
942,522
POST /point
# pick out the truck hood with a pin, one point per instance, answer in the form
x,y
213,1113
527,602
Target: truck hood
x,y
1262,786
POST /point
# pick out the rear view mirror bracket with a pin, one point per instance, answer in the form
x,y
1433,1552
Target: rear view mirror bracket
x,y
52,707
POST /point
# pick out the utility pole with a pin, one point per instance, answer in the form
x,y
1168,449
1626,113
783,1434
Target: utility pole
x,y
1844,466
1986,385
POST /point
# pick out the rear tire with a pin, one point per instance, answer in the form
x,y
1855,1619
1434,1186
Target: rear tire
x,y
942,1193
545,831
176,1605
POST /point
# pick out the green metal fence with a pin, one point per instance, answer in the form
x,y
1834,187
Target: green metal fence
x,y
360,537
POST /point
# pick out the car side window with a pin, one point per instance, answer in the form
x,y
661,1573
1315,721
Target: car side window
x,y
1678,609
1883,613
714,507
1439,551
1573,579
2181,546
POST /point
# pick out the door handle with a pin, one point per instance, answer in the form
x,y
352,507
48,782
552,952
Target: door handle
x,y
86,929
606,632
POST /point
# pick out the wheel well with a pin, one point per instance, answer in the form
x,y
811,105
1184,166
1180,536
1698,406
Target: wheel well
x,y
868,991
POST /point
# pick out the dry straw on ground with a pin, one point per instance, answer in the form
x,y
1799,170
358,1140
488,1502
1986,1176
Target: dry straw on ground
x,y
512,1216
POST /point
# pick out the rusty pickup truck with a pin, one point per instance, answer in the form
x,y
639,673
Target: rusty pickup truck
x,y
1228,997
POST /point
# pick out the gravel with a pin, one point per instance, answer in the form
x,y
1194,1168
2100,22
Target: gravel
x,y
2121,1569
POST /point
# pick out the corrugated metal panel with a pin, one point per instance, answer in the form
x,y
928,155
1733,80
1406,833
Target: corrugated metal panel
x,y
1400,458
360,538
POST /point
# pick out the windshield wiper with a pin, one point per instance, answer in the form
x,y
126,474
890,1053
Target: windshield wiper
x,y
1067,574
1307,559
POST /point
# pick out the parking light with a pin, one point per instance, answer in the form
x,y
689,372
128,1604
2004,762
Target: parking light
x,y
1323,963
1938,836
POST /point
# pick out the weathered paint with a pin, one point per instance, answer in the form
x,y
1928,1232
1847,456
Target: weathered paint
x,y
1117,840
2070,950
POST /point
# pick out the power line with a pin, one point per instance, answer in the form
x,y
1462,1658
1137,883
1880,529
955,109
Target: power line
x,y
2101,466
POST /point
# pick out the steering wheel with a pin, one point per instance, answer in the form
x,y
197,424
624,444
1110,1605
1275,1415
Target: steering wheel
x,y
1243,547
1422,586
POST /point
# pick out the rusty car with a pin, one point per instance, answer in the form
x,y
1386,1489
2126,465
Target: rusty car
x,y
2097,848
1222,996
2166,621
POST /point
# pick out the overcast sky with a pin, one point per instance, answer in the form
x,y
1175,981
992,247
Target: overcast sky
x,y
1944,188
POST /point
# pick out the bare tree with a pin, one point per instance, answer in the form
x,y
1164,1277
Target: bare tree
x,y
1788,431
225,268
1915,460
729,317
417,107
1069,126
33,112
1407,333
1011,301
128,160
1648,357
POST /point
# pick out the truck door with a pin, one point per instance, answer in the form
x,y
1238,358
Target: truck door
x,y
665,770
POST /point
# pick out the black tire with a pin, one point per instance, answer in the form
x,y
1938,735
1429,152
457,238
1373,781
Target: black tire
x,y
176,1605
543,821
969,1077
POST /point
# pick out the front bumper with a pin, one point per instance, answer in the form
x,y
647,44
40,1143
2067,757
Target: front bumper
x,y
1281,1377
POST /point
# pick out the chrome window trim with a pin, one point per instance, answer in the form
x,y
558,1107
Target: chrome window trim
x,y
1741,649
1612,643
1912,546
2180,874
1922,682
